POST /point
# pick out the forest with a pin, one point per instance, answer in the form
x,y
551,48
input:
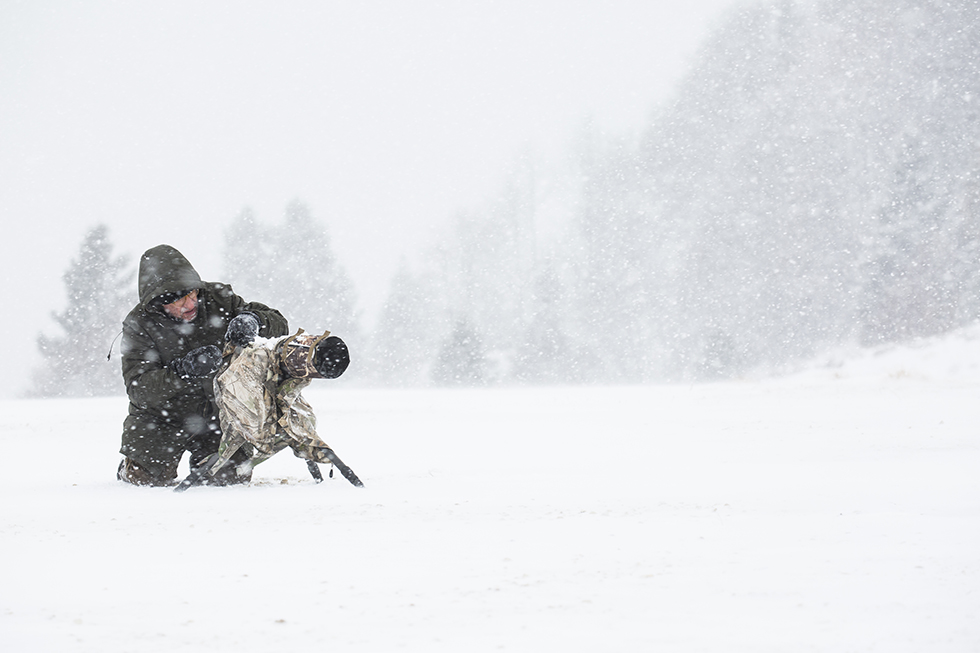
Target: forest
x,y
814,182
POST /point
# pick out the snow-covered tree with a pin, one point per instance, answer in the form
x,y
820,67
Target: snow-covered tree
x,y
614,295
544,354
293,268
100,292
462,358
407,333
813,182
312,289
905,291
247,258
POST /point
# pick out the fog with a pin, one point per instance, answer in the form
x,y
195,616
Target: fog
x,y
165,121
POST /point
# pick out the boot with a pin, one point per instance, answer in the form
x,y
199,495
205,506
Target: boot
x,y
133,473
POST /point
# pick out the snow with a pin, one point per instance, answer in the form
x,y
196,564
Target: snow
x,y
833,510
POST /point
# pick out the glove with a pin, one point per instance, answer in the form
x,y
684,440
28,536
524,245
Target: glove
x,y
242,329
202,361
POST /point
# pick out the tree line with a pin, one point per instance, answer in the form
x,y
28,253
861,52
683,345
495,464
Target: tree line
x,y
290,266
813,182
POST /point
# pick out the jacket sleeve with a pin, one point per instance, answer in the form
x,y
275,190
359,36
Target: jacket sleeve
x,y
149,383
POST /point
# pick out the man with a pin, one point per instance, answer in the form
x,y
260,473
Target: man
x,y
171,350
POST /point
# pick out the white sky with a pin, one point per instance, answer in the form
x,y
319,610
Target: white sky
x,y
164,120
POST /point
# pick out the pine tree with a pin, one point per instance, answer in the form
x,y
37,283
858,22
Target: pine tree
x,y
100,291
404,336
246,258
312,289
613,297
292,268
544,354
462,358
814,182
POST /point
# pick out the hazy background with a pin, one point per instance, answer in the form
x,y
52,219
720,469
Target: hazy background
x,y
165,120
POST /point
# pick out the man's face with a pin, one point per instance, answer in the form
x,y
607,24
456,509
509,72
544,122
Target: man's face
x,y
184,308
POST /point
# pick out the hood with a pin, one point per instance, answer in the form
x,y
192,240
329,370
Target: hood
x,y
164,270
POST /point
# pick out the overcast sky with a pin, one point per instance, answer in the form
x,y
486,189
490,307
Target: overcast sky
x,y
164,119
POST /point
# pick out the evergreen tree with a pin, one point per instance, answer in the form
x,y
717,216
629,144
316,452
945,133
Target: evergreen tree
x,y
544,354
406,333
247,258
462,358
100,293
810,138
815,180
311,288
905,292
291,267
614,294
491,265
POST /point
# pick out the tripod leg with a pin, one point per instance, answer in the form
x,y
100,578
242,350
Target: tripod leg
x,y
314,471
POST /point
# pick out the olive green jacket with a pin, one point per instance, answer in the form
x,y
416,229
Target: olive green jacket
x,y
152,339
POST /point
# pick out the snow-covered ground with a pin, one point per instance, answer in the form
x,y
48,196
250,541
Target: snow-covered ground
x,y
834,510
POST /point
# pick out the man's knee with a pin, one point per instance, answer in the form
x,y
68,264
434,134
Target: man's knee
x,y
152,448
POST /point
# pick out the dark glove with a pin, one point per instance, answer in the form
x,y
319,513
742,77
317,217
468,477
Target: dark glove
x,y
202,361
242,329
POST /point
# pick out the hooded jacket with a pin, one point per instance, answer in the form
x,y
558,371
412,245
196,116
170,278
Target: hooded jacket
x,y
152,339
